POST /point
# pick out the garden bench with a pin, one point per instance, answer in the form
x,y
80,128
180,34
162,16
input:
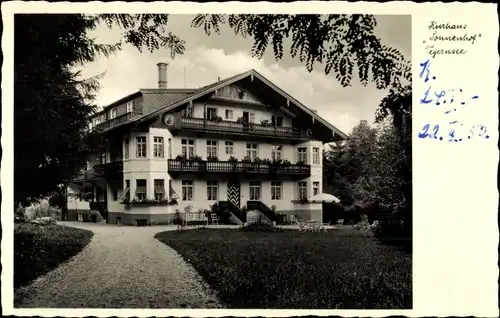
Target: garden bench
x,y
195,217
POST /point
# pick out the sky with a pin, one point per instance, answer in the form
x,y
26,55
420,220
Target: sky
x,y
209,57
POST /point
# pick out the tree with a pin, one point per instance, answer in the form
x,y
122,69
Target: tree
x,y
52,106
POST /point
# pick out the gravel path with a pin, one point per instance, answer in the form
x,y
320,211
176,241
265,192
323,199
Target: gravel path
x,y
122,267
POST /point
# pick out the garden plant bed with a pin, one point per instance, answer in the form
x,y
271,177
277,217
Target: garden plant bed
x,y
290,269
39,249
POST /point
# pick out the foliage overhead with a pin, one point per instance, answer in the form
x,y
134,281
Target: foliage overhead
x,y
342,43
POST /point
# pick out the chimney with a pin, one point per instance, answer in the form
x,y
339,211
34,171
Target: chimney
x,y
162,75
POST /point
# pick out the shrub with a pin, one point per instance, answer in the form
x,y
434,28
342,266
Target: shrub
x,y
40,249
46,220
363,225
40,209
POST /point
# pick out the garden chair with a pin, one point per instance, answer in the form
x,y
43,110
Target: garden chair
x,y
340,222
302,226
315,226
214,218
325,225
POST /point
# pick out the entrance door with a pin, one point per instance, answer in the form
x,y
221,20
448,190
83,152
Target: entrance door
x,y
233,192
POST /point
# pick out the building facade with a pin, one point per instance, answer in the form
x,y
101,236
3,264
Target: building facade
x,y
241,142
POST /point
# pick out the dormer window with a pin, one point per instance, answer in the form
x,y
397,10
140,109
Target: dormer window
x,y
130,106
112,113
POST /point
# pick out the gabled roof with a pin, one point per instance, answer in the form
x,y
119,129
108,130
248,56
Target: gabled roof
x,y
215,86
158,101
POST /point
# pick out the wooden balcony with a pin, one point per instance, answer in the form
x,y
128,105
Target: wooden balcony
x,y
302,171
235,128
117,120
109,169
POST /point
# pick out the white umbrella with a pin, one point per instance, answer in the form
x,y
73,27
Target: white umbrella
x,y
325,197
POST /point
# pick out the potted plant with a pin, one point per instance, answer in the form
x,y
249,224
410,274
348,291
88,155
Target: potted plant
x,y
242,121
180,158
232,159
173,201
246,159
286,163
212,158
216,119
265,123
300,163
266,161
303,201
196,158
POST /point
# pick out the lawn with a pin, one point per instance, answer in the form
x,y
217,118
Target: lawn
x,y
290,269
39,249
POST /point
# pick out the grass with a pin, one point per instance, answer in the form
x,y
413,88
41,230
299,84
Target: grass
x,y
39,249
290,269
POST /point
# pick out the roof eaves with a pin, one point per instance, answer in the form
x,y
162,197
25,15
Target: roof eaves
x,y
300,105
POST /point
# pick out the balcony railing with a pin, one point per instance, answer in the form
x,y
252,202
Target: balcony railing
x,y
237,167
110,168
118,120
201,124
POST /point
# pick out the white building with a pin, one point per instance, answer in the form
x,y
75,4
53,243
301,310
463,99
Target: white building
x,y
240,142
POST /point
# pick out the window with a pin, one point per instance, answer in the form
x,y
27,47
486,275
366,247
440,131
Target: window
x,y
302,154
141,147
126,150
275,190
103,157
315,188
316,156
252,118
187,190
302,191
229,114
140,189
229,148
130,106
80,216
159,189
252,151
254,190
169,148
277,121
277,153
212,187
112,113
141,222
187,148
211,113
97,121
158,147
211,148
